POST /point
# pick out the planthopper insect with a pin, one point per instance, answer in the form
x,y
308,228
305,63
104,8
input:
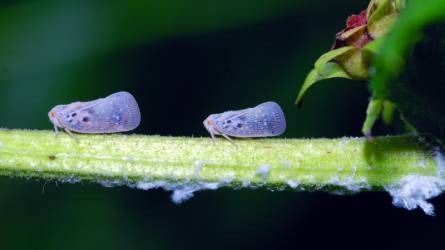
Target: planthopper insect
x,y
264,120
118,112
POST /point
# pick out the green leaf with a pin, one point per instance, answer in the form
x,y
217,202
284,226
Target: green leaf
x,y
325,71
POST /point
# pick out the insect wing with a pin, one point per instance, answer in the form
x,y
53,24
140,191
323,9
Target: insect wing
x,y
275,117
118,112
264,120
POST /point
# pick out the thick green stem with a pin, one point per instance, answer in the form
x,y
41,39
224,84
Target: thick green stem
x,y
345,163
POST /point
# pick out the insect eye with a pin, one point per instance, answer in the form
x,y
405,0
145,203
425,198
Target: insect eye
x,y
209,122
52,114
86,119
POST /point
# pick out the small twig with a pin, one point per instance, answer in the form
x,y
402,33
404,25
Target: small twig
x,y
135,158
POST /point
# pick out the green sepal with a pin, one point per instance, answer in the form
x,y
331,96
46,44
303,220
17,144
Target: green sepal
x,y
383,8
329,56
372,113
388,110
324,69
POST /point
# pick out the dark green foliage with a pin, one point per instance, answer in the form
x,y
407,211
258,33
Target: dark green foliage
x,y
410,68
421,87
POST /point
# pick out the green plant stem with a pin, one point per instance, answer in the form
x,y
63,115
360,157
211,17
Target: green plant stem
x,y
273,163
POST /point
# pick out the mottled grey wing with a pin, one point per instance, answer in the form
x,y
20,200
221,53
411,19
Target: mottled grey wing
x,y
266,119
118,112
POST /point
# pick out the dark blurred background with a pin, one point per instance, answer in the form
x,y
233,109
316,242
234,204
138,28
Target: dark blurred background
x,y
184,60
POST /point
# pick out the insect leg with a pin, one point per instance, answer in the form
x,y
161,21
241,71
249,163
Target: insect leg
x,y
71,134
228,138
213,137
56,130
56,127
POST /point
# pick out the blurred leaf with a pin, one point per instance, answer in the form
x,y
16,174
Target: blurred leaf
x,y
410,67
406,33
399,4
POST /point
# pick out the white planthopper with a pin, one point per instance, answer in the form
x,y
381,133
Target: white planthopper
x,y
118,112
264,120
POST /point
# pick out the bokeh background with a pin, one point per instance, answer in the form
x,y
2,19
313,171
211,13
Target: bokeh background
x,y
183,60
